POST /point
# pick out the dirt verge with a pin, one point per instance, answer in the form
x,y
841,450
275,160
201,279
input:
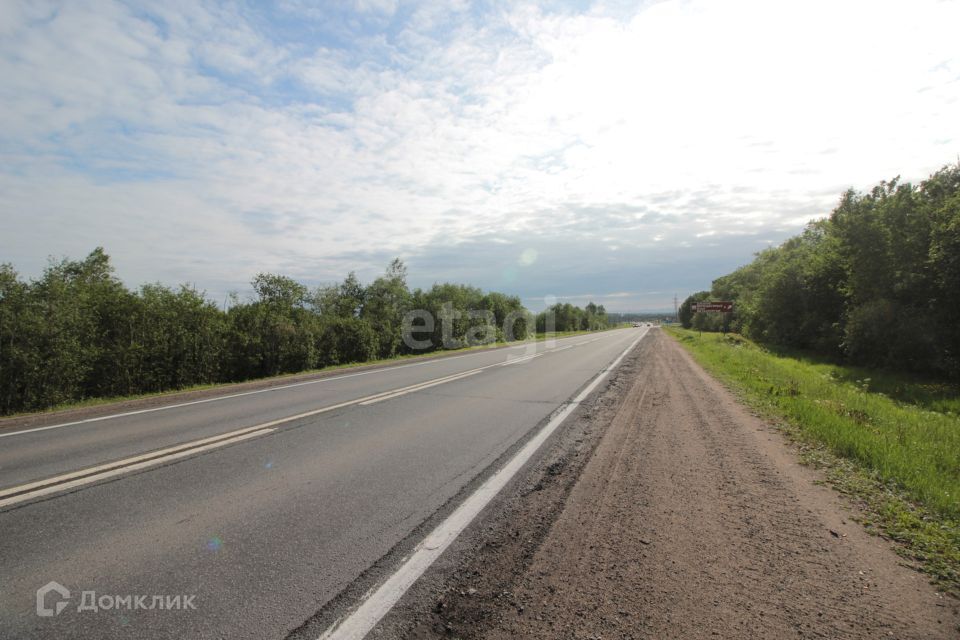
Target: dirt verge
x,y
669,511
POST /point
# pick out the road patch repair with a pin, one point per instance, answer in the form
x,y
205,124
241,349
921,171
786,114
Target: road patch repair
x,y
665,509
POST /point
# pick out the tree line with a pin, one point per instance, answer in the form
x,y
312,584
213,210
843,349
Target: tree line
x,y
78,332
564,316
877,283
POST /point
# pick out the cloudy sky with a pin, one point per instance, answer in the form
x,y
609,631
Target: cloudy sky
x,y
617,151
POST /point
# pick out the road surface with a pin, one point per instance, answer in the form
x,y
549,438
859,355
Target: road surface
x,y
259,508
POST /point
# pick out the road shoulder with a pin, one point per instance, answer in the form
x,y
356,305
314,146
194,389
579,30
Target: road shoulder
x,y
667,510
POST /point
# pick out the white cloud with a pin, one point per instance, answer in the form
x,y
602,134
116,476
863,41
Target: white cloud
x,y
379,6
197,144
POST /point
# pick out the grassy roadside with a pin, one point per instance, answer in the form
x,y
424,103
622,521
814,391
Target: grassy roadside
x,y
891,443
94,402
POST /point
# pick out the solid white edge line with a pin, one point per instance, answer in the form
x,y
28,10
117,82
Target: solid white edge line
x,y
379,602
277,388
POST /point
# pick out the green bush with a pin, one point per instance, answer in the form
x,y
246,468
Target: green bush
x,y
77,333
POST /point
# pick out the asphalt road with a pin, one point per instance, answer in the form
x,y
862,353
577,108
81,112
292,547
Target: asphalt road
x,y
273,515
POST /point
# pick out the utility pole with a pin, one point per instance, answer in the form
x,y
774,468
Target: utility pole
x,y
676,313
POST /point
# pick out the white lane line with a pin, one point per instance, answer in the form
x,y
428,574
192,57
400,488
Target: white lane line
x,y
93,474
179,405
128,468
523,359
378,602
419,387
160,453
457,376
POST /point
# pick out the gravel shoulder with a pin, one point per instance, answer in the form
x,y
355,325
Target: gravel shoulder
x,y
665,509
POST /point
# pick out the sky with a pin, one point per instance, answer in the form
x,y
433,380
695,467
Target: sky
x,y
620,152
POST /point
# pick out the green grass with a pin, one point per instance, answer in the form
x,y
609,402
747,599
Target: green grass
x,y
93,402
890,441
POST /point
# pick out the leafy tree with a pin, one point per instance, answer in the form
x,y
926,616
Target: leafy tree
x,y
282,292
567,317
385,302
685,313
876,283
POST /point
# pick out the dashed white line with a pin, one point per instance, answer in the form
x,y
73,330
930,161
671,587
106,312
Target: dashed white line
x,y
419,387
39,488
256,391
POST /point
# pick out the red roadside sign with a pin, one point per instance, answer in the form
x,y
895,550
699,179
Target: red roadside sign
x,y
724,306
